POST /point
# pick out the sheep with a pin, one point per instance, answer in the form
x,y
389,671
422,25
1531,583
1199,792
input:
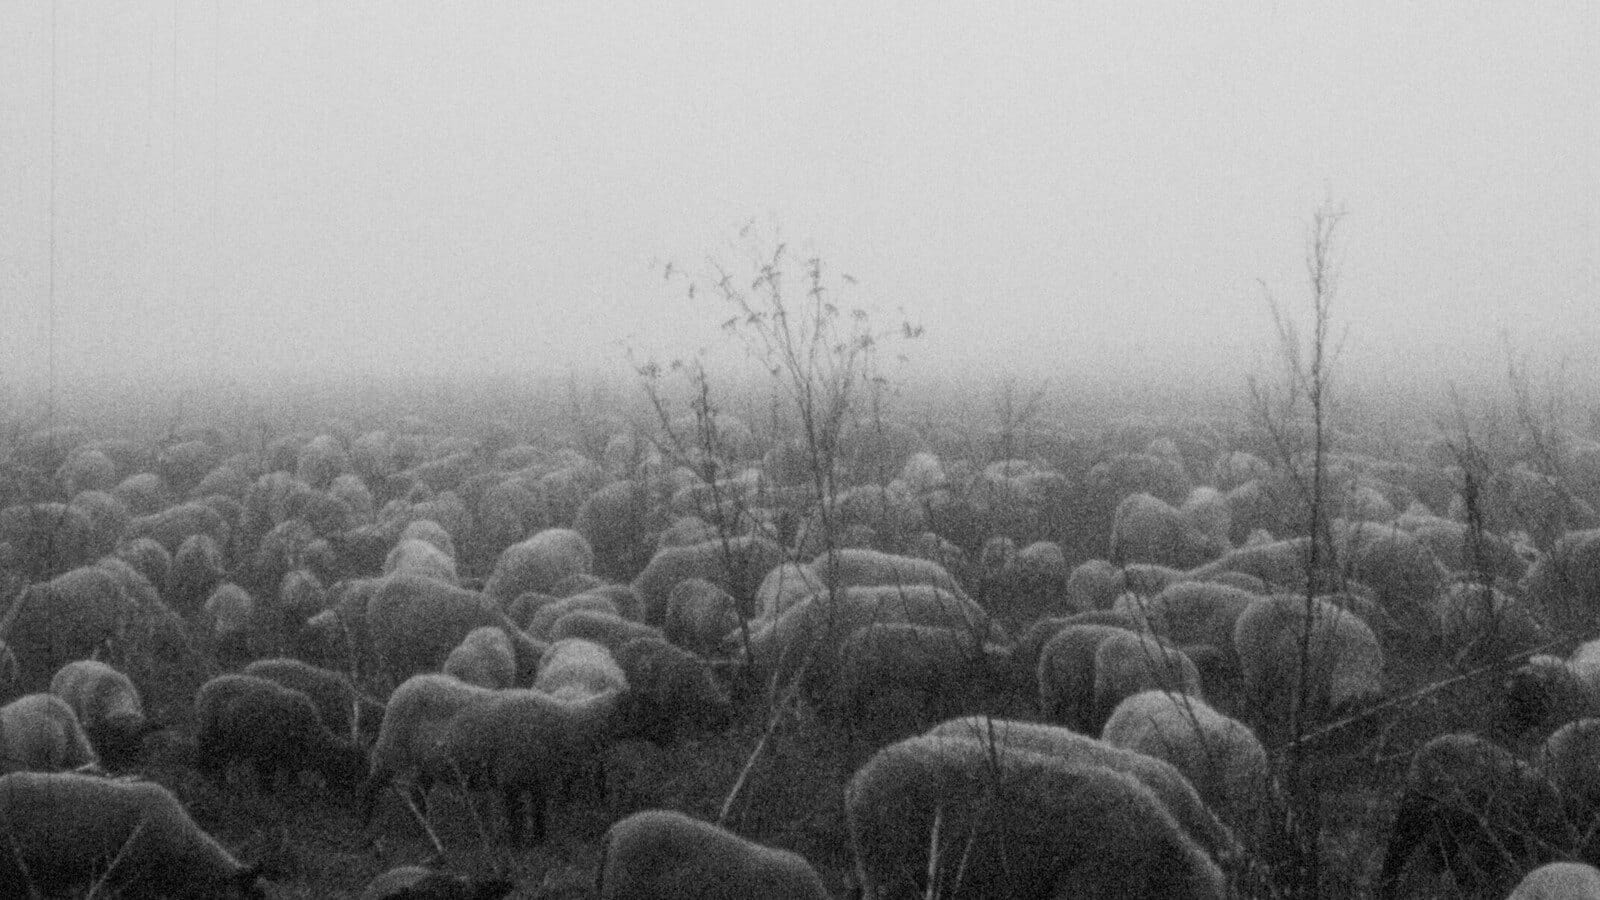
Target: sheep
x,y
275,729
1482,625
1477,812
601,627
150,558
484,657
197,569
1344,671
1196,612
1559,881
518,742
173,525
66,618
819,626
108,519
63,828
1544,693
1161,777
784,586
1401,571
659,854
413,623
672,690
1570,760
49,538
342,708
1145,529
420,557
1066,674
1127,663
542,619
574,667
895,678
537,563
859,567
422,883
737,566
942,815
41,733
1219,755
230,613
699,615
1561,583
107,703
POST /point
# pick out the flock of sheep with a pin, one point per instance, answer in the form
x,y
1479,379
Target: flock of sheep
x,y
1074,674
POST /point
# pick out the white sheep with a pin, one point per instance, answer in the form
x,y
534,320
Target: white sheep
x,y
41,733
602,627
230,614
414,622
1162,778
343,708
1219,755
484,657
659,854
737,566
417,556
699,615
107,703
671,690
1559,881
1343,670
64,831
1065,674
536,564
275,729
520,743
944,815
1475,810
1128,663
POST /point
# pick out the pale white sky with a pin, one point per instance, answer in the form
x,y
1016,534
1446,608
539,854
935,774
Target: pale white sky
x,y
1071,189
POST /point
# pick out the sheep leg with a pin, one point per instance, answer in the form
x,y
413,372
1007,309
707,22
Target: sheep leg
x,y
1412,825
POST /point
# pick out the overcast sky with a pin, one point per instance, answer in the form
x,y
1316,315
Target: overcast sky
x,y
1064,188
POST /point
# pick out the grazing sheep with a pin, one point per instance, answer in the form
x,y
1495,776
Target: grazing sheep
x,y
948,816
1066,674
415,556
671,690
537,563
699,615
1127,663
485,657
107,703
574,667
41,733
1545,693
230,613
1482,625
62,828
422,883
737,567
521,743
173,525
618,520
659,854
1559,881
150,559
610,631
414,622
1476,812
819,626
68,617
1220,756
1562,583
49,538
1145,529
1094,584
338,702
143,494
275,729
1570,760
542,620
196,571
1344,670
1461,550
108,519
860,567
784,586
1402,572
897,679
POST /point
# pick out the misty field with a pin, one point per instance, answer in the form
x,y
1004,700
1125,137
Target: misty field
x,y
1038,507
